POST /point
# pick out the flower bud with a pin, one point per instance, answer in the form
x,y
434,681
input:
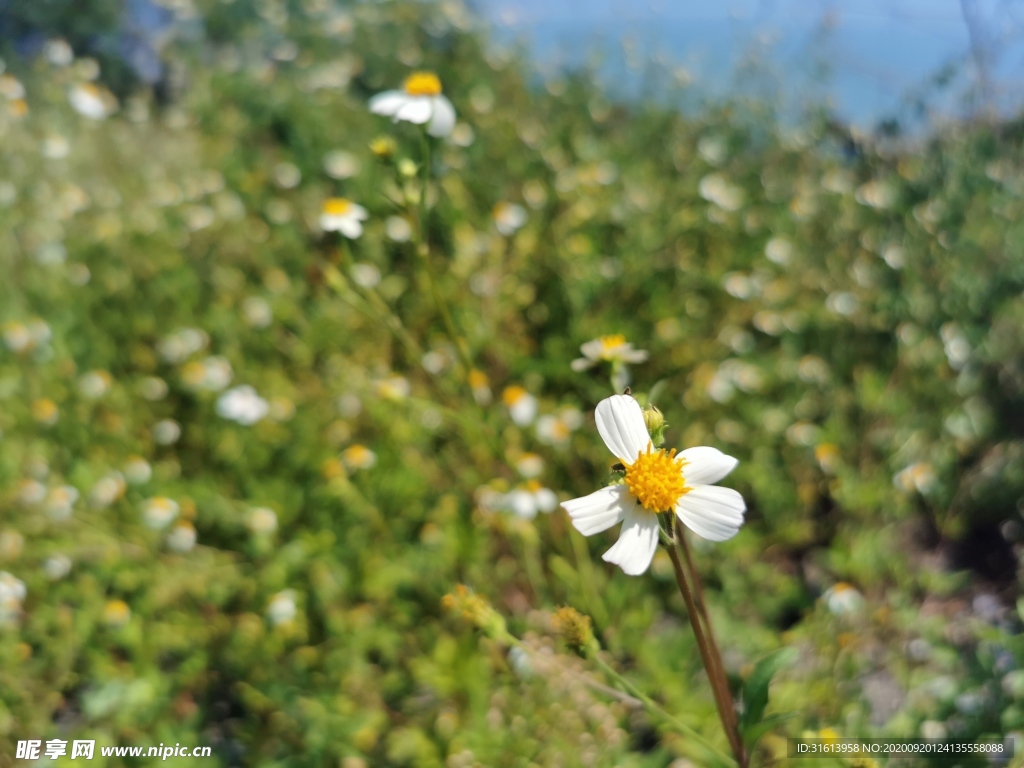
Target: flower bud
x,y
407,168
576,630
655,423
383,148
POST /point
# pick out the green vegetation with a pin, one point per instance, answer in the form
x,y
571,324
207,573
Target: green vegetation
x,y
848,323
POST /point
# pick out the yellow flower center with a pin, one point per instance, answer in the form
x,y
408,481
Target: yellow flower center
x,y
512,395
477,379
422,84
655,478
337,206
611,343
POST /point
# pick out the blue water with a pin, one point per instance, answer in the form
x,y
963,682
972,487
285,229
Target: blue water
x,y
867,58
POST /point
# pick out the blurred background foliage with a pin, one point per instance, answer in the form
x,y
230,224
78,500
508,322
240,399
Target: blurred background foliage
x,y
843,313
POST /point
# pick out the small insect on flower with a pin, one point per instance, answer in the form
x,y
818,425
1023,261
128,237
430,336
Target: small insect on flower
x,y
419,101
656,481
342,215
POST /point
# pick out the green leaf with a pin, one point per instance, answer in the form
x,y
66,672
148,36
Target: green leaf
x,y
755,690
753,733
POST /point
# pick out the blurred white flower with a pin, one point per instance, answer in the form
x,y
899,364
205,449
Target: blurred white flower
x,y
530,465
843,599
137,470
398,228
92,101
522,406
339,164
610,349
211,374
509,218
60,502
166,432
420,101
716,189
262,521
282,609
527,501
31,492
287,175
12,594
358,457
656,481
393,388
94,384
159,512
107,490
56,567
182,537
778,250
243,405
556,429
257,312
342,215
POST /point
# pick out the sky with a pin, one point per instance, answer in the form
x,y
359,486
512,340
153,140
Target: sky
x,y
877,51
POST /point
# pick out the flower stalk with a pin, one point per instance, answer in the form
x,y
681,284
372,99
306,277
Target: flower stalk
x,y
709,653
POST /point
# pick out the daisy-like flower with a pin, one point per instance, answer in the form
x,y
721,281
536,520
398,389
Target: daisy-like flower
x,y
509,218
531,498
656,482
608,349
358,456
342,215
419,101
242,404
91,101
522,406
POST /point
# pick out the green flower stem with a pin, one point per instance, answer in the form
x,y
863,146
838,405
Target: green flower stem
x,y
682,544
390,319
423,251
710,658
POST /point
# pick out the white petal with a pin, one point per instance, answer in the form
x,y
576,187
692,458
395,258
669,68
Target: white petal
x,y
416,110
634,356
388,103
600,510
621,425
581,364
330,223
712,512
443,119
705,466
546,499
592,349
350,227
638,539
357,211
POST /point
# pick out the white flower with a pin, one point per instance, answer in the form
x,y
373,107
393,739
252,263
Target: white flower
x,y
612,349
342,215
656,481
522,406
420,101
182,537
91,101
159,511
843,599
137,470
242,404
282,609
107,490
358,457
60,502
262,521
56,567
532,498
166,432
509,218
